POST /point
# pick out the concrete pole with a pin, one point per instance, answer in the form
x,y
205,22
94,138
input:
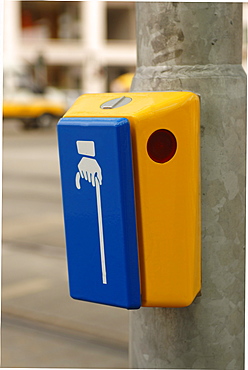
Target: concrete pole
x,y
198,47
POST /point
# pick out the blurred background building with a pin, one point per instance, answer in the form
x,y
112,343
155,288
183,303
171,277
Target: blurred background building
x,y
76,46
72,45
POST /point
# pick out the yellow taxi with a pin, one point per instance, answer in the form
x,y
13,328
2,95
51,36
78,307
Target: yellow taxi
x,y
34,109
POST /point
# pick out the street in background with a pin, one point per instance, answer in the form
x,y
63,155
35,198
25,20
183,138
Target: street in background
x,y
41,325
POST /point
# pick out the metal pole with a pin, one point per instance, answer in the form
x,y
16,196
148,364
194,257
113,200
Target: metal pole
x,y
198,47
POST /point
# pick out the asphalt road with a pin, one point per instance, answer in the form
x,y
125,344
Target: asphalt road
x,y
42,326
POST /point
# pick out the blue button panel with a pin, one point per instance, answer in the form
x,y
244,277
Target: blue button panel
x,y
99,211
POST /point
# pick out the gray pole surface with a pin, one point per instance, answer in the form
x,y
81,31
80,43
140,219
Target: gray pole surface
x,y
198,47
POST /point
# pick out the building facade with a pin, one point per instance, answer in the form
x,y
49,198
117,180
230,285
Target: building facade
x,y
72,45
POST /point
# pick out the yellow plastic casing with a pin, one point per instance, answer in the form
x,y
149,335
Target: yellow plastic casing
x,y
167,194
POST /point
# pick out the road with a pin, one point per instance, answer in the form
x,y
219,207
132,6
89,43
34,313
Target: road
x,y
41,325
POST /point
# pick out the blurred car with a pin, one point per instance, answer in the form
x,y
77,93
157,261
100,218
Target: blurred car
x,y
34,109
122,83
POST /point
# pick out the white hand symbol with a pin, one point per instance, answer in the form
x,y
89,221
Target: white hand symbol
x,y
89,169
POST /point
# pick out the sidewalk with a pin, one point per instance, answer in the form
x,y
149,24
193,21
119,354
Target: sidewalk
x,y
43,327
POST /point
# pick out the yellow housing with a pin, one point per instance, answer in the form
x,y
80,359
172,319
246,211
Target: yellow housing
x,y
167,194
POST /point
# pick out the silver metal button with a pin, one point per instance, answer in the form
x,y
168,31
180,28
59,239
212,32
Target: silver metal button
x,y
116,103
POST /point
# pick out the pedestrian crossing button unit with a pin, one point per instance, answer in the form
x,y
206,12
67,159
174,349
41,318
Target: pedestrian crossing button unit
x,y
130,174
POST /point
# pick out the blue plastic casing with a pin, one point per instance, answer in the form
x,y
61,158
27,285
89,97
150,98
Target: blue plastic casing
x,y
100,222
